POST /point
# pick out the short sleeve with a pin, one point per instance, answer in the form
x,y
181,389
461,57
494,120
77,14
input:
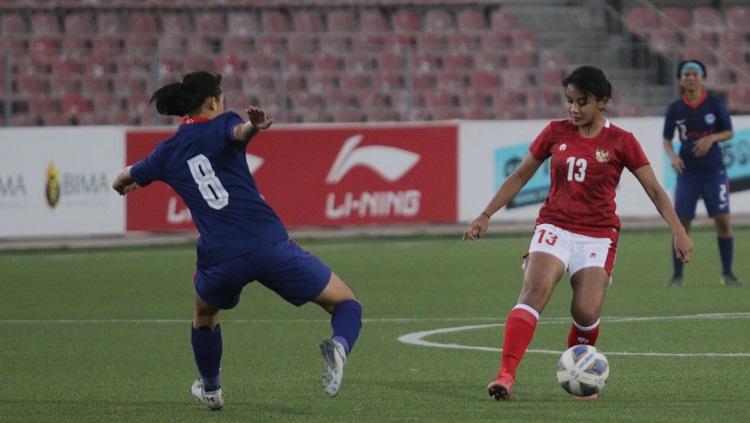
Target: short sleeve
x,y
231,121
540,148
147,170
634,157
669,124
724,122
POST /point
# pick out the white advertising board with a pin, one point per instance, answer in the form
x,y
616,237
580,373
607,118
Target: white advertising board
x,y
489,151
57,181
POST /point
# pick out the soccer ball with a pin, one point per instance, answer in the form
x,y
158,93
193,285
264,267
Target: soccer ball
x,y
582,370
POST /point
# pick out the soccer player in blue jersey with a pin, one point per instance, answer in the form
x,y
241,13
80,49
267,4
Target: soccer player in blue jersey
x,y
241,237
702,122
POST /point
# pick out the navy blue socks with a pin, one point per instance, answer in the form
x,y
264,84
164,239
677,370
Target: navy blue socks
x,y
207,350
677,264
726,251
346,322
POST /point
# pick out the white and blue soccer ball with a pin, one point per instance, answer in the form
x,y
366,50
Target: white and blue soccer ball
x,y
582,370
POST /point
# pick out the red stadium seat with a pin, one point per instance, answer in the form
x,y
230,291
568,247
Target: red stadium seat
x,y
383,115
738,17
451,80
431,41
664,40
503,20
13,24
386,82
457,61
424,81
341,21
517,79
372,20
353,82
438,20
270,43
389,61
260,62
525,40
43,105
688,53
477,113
676,15
295,62
496,40
242,23
110,23
260,82
143,23
472,97
274,21
76,45
229,65
44,23
337,100
639,18
110,44
79,23
552,77
307,21
294,82
490,61
302,43
373,100
238,44
458,41
43,49
732,38
406,20
471,20
422,62
351,115
324,83
176,23
306,100
73,103
194,62
440,99
484,80
522,58
140,43
172,42
210,23
359,62
707,17
336,42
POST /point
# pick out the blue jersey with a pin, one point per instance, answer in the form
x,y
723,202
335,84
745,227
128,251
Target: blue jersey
x,y
207,168
694,121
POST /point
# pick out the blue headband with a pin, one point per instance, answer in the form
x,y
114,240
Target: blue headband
x,y
692,66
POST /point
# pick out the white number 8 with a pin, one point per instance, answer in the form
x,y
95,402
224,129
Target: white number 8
x,y
209,185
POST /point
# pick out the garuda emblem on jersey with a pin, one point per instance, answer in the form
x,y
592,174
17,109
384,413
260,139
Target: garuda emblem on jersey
x,y
602,156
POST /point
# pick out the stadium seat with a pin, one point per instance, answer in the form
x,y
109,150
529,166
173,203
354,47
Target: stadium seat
x,y
484,80
359,62
522,58
457,61
372,20
302,43
176,23
337,100
641,18
43,49
327,63
43,105
471,20
383,115
372,100
303,100
451,80
552,77
406,20
431,41
664,40
676,15
229,65
438,20
172,42
238,44
440,99
490,61
307,20
210,23
387,82
294,82
13,24
45,23
275,21
503,20
424,81
341,21
336,42
688,53
295,62
738,17
733,38
270,43
496,40
142,23
706,17
140,43
354,82
517,78
477,113
242,23
260,62
260,83
463,42
394,62
110,23
107,43
79,23
525,40
352,115
72,104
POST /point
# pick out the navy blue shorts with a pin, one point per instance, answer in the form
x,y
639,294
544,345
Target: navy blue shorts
x,y
713,188
295,274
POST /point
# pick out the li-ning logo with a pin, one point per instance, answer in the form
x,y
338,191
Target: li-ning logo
x,y
389,162
52,189
602,156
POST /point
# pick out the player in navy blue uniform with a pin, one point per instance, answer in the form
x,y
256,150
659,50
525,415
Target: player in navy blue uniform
x,y
702,123
241,237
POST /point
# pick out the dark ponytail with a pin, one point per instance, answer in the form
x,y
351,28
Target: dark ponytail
x,y
182,98
590,80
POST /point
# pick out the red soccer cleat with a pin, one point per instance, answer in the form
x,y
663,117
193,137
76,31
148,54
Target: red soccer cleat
x,y
501,388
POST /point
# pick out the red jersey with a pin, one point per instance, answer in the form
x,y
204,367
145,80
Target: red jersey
x,y
584,173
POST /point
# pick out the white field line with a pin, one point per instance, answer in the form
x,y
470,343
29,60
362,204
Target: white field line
x,y
417,338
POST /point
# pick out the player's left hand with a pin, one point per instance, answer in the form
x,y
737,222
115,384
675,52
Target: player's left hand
x,y
701,147
683,247
477,228
258,118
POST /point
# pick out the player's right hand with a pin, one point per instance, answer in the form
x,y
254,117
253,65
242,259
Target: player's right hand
x,y
476,229
677,164
683,247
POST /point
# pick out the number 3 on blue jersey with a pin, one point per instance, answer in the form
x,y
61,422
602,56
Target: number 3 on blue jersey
x,y
209,185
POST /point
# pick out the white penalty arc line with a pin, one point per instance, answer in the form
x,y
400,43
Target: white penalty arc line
x,y
417,338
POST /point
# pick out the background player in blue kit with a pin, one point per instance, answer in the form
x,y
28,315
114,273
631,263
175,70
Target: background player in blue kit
x,y
241,237
702,122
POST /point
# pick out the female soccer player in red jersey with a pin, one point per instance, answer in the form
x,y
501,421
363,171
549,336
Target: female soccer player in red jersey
x,y
241,237
577,227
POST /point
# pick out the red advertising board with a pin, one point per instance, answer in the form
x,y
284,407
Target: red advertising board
x,y
328,176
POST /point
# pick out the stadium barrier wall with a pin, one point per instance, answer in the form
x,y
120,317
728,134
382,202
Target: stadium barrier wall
x,y
56,181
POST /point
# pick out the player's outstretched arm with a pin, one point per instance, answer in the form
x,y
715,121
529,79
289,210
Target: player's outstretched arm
x,y
257,121
124,183
682,244
509,188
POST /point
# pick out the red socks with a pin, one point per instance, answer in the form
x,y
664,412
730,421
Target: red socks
x,y
519,330
583,334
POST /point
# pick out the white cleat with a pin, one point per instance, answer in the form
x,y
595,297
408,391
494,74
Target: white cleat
x,y
214,400
334,359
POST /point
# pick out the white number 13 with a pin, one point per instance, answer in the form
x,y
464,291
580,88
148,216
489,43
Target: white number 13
x,y
576,169
210,186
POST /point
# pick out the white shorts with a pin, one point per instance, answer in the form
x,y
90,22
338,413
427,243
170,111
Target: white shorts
x,y
574,250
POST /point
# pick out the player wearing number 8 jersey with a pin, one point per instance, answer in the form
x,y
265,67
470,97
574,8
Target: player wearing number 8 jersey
x,y
241,237
577,227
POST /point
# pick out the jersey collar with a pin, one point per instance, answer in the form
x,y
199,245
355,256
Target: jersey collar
x,y
191,120
694,105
